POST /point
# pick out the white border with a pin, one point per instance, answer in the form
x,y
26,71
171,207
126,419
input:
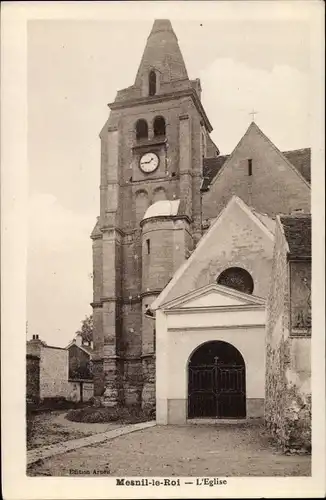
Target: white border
x,y
16,485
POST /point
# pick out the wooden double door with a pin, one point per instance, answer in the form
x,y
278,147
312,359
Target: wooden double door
x,y
217,389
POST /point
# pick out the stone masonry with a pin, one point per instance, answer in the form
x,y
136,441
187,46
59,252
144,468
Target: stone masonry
x,y
288,369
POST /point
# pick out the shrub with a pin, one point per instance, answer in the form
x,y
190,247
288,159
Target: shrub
x,y
104,414
56,403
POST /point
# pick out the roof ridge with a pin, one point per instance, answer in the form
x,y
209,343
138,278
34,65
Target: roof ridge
x,y
298,149
294,216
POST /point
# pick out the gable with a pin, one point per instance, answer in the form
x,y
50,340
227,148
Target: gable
x,y
213,299
236,239
214,296
275,185
299,158
78,351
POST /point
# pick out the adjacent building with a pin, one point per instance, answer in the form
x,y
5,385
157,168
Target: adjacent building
x,y
58,373
80,354
47,370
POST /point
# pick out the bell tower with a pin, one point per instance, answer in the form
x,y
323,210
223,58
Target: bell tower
x,y
152,149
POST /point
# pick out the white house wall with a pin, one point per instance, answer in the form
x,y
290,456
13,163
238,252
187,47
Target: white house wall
x,y
208,319
179,335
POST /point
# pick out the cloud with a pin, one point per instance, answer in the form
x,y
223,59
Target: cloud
x,y
231,90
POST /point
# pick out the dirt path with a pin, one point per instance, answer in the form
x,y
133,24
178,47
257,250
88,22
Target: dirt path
x,y
52,427
192,450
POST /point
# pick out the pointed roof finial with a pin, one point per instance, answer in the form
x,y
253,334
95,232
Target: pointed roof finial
x,y
162,52
161,25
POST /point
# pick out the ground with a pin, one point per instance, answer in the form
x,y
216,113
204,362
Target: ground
x,y
241,449
46,428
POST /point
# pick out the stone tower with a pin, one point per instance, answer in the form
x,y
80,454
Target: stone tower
x,y
152,149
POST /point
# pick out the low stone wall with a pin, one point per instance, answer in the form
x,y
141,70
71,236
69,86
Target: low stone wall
x,y
80,390
32,377
288,400
291,429
148,390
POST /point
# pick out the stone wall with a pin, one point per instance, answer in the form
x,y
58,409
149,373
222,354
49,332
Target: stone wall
x,y
53,372
32,377
300,282
148,389
288,370
80,390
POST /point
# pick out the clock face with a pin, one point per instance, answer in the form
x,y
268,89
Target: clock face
x,y
149,162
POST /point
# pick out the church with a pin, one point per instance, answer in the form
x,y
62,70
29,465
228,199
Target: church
x,y
183,248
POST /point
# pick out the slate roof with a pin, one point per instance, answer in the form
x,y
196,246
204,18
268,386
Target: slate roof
x,y
211,167
297,231
299,158
88,349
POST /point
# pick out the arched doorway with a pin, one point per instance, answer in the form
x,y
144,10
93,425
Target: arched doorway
x,y
216,381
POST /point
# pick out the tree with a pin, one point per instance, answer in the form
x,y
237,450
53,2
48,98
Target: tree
x,y
86,330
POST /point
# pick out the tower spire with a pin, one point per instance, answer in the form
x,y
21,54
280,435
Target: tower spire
x,y
162,53
162,25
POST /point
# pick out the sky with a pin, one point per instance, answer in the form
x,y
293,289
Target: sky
x,y
75,68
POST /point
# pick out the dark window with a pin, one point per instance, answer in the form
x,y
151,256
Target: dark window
x,y
152,83
148,243
249,167
141,129
237,278
159,126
